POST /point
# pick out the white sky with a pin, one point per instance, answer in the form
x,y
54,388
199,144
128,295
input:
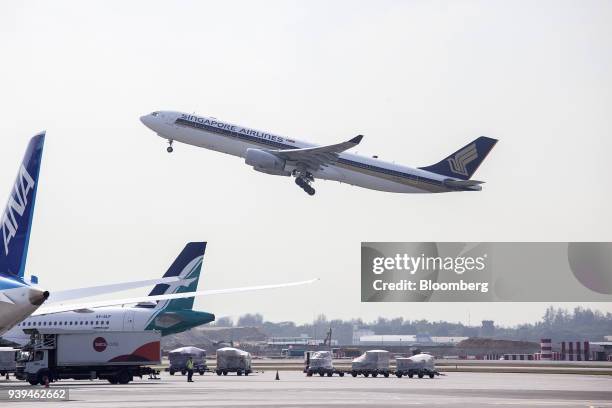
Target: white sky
x,y
419,79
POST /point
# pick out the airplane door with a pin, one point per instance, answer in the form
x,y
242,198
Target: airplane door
x,y
128,320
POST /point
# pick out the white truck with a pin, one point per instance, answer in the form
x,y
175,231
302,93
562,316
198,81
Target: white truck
x,y
113,356
320,362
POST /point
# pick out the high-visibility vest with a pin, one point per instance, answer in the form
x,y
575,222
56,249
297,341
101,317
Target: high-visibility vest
x,y
189,365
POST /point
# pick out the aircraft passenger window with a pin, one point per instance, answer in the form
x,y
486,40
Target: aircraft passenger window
x,y
81,323
97,322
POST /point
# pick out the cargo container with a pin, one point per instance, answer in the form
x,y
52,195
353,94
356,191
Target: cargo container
x,y
420,365
372,362
113,356
320,362
233,360
178,360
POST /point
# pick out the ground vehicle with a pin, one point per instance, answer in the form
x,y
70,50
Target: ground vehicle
x,y
113,356
420,365
7,360
178,360
233,360
372,362
320,362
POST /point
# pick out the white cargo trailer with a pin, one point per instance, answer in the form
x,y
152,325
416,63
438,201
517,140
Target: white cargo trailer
x,y
233,360
113,356
421,365
372,362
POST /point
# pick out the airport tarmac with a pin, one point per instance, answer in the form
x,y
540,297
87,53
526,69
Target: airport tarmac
x,y
294,389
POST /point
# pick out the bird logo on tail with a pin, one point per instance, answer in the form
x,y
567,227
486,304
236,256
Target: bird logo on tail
x,y
458,163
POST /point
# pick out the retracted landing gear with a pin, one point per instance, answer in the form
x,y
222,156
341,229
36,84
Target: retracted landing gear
x,y
170,149
303,180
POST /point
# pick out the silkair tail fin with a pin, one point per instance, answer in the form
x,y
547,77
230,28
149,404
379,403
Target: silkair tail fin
x,y
17,218
187,266
464,162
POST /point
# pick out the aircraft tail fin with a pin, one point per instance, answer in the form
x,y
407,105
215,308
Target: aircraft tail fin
x,y
17,217
187,266
464,162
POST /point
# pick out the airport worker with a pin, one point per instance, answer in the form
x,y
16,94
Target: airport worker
x,y
189,369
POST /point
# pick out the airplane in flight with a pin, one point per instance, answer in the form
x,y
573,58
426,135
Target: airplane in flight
x,y
282,156
20,299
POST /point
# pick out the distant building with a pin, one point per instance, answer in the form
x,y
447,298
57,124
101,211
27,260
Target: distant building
x,y
359,333
302,340
487,329
407,340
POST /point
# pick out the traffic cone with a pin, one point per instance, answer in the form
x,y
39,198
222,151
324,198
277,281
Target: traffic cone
x,y
277,377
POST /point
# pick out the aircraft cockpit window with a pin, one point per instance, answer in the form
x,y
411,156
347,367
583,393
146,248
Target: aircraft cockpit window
x,y
155,114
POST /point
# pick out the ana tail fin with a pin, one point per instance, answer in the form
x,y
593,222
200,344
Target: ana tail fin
x,y
17,218
464,162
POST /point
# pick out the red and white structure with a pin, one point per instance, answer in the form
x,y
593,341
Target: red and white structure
x,y
546,349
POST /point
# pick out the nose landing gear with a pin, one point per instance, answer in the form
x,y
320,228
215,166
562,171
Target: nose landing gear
x,y
303,180
170,149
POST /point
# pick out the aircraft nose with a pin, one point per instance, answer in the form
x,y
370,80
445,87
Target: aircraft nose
x,y
145,119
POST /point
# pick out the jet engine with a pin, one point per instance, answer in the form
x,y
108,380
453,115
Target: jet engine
x,y
266,162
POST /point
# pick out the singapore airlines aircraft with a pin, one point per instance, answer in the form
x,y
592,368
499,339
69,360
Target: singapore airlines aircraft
x,y
281,156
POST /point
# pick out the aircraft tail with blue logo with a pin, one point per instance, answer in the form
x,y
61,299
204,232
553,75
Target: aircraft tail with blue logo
x,y
19,212
464,162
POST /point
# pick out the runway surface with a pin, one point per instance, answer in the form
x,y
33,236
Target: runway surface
x,y
294,389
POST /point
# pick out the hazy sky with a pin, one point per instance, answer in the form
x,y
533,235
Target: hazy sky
x,y
419,79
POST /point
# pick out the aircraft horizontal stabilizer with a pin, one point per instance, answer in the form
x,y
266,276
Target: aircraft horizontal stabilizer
x,y
114,302
462,183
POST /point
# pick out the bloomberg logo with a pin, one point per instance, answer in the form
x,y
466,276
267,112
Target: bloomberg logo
x,y
99,344
17,204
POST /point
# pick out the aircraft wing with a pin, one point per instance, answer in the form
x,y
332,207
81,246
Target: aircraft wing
x,y
50,309
316,157
73,294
